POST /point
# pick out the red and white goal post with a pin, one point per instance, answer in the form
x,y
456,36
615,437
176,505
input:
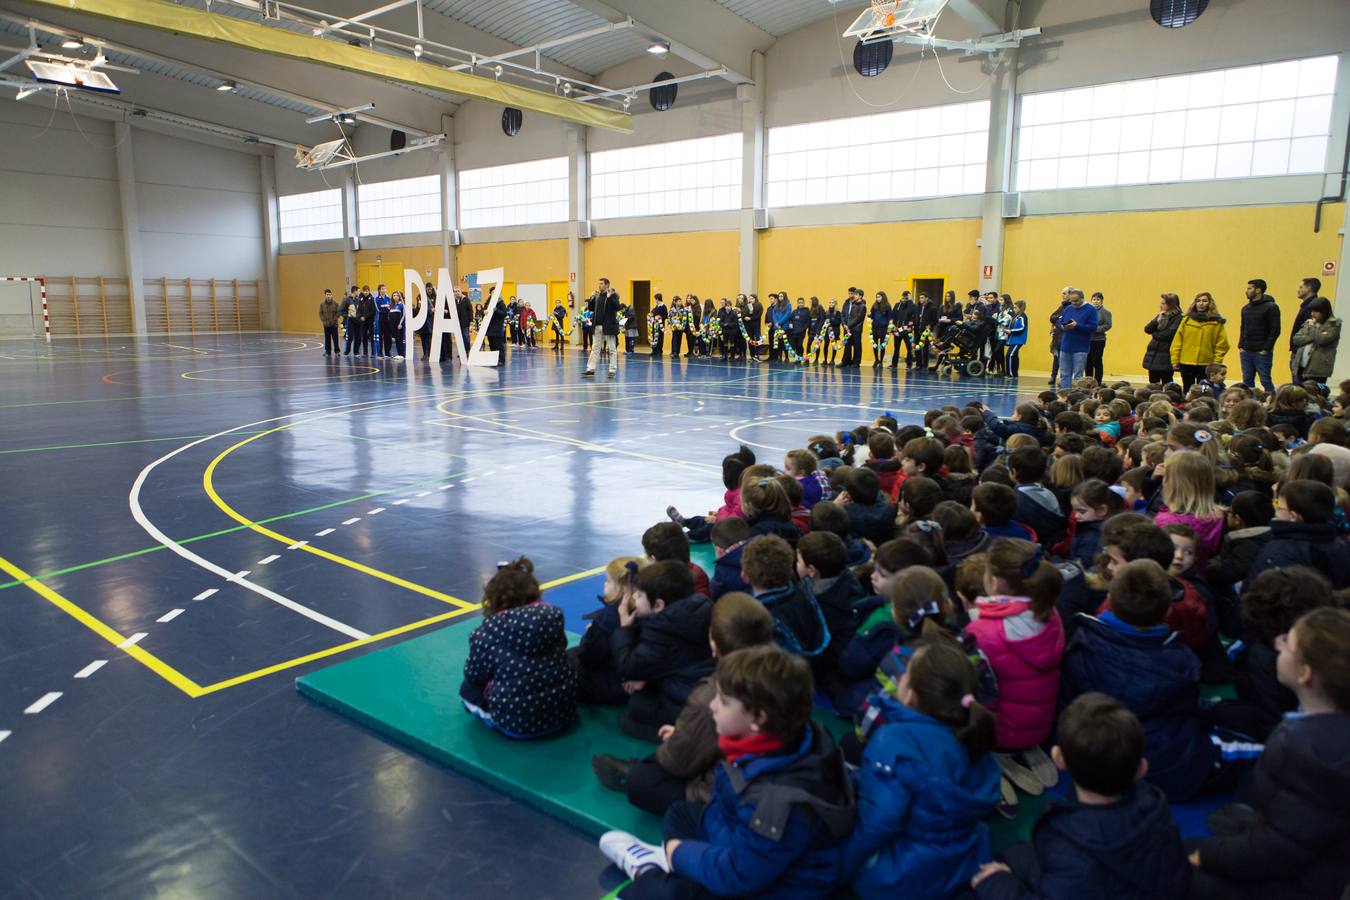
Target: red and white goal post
x,y
42,289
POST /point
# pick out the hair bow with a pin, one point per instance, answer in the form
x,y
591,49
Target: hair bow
x,y
1203,437
846,438
916,618
1033,562
631,567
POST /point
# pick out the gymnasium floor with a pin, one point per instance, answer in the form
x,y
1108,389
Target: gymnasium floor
x,y
235,511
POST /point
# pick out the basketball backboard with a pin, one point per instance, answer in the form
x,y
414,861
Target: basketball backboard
x,y
70,75
321,155
885,19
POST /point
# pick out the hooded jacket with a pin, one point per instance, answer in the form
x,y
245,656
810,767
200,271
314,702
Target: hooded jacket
x,y
774,824
874,634
1300,847
798,623
691,752
921,801
1026,666
1323,339
1260,325
1038,509
518,667
669,648
1158,355
876,521
836,597
1126,850
726,575
598,680
1305,544
1237,552
888,472
1208,532
1199,341
1156,677
328,313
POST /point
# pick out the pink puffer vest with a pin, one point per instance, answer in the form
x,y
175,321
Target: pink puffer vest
x,y
1027,671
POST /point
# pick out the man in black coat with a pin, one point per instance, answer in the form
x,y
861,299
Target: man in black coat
x,y
1308,289
1260,331
660,314
606,301
902,315
855,314
366,311
496,331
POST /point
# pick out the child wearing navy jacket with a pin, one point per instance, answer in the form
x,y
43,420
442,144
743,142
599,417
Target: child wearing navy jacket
x,y
517,678
822,564
597,676
768,566
782,800
1115,838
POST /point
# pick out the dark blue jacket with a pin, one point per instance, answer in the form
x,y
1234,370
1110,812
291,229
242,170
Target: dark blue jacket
x,y
1087,543
798,624
836,597
1006,428
517,671
1127,850
1305,544
597,677
727,572
1011,530
774,824
669,648
800,321
921,802
765,524
875,633
1049,524
875,522
1158,679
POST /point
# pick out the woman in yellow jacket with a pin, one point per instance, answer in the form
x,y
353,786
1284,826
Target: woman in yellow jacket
x,y
1200,339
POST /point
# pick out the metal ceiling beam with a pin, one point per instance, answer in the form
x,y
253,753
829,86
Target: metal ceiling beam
x,y
164,16
205,70
975,16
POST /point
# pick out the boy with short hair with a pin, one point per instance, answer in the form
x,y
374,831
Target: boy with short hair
x,y
666,540
1302,533
729,538
822,564
1077,845
767,566
1037,505
782,800
919,496
660,648
869,516
994,506
881,460
830,516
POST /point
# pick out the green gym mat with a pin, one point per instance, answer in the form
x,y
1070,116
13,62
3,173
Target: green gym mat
x,y
409,693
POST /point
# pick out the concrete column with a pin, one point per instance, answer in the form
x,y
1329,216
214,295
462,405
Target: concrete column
x,y
998,179
753,137
271,289
1335,288
578,209
1340,294
449,195
131,224
350,227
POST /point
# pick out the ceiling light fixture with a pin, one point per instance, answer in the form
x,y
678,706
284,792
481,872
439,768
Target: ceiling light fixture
x,y
658,48
417,51
567,88
226,86
72,43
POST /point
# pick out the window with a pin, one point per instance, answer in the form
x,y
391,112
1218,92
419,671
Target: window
x,y
315,216
400,207
525,193
1233,123
698,175
932,152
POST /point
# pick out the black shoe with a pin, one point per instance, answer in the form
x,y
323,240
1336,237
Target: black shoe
x,y
588,374
612,771
611,376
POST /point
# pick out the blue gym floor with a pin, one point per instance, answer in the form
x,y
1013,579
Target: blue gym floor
x,y
363,501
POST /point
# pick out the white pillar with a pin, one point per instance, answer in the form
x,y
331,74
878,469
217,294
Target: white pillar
x,y
578,210
1335,288
998,178
449,195
752,172
350,226
131,225
271,289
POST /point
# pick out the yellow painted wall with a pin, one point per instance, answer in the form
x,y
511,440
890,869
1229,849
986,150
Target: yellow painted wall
x,y
706,263
525,262
1133,257
303,278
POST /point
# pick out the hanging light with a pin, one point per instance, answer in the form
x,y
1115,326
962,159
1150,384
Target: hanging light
x,y
417,51
226,86
658,48
567,88
72,43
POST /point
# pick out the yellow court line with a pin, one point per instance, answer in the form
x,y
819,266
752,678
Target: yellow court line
x,y
568,578
109,634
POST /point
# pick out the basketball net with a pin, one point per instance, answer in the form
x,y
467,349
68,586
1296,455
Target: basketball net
x,y
884,12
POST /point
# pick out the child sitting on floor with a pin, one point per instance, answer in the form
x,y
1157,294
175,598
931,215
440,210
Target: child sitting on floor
x,y
1079,848
597,678
1093,503
802,465
822,564
881,459
768,566
729,538
781,799
661,646
667,541
767,508
1291,840
994,506
830,516
925,783
682,767
733,465
1188,499
870,517
517,678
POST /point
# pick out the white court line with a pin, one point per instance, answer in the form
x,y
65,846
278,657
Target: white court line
x,y
325,532
422,494
91,668
401,500
445,487
45,701
352,521
170,615
238,576
297,545
268,560
134,639
376,511
206,593
4,734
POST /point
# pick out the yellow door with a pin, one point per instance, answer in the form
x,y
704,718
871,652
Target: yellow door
x,y
368,275
375,274
557,293
392,276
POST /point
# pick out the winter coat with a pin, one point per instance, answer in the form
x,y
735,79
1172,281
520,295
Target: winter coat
x,y
902,314
726,575
328,313
1127,850
836,597
798,622
925,316
1298,419
517,671
1237,552
691,752
1086,543
855,313
597,677
1038,509
1156,677
1260,325
1026,666
1300,847
1006,428
888,471
766,524
1262,701
366,308
881,320
1306,544
669,648
876,521
1103,325
607,312
496,325
800,322
1322,339
875,633
1010,530
1208,532
774,824
921,802
1158,355
1199,341
1079,338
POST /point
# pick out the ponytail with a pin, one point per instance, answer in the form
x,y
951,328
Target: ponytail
x,y
1023,566
944,683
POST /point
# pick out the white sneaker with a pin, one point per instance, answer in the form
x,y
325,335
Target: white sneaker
x,y
632,855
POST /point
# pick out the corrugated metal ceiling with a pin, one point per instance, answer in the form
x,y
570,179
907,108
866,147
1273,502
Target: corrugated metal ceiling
x,y
778,17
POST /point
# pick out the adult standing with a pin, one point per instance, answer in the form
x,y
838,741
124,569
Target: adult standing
x,y
656,335
854,317
329,316
676,325
464,311
351,320
1200,340
797,327
588,325
385,333
1003,321
1097,347
1077,321
1307,293
754,313
1161,329
777,318
881,324
1016,339
1315,343
366,311
902,314
924,325
395,321
606,306
495,329
1056,333
429,320
1259,331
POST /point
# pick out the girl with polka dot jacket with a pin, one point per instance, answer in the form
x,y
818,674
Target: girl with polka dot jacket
x,y
517,678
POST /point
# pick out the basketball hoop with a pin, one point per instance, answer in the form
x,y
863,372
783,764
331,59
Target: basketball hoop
x,y
893,19
883,12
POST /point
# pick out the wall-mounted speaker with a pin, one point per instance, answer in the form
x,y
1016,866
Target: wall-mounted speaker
x,y
397,140
512,119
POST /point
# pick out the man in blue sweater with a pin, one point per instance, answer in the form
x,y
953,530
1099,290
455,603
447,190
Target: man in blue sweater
x,y
1077,322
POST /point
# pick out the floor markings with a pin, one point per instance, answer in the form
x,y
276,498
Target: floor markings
x,y
243,573
268,560
45,701
376,511
466,480
422,494
206,593
352,521
170,615
401,500
91,668
445,487
133,640
297,545
4,734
